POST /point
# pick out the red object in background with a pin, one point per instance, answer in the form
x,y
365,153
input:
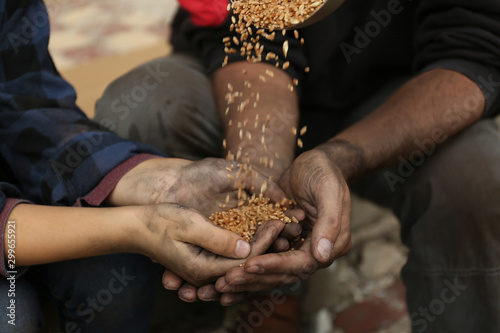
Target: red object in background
x,y
375,313
206,13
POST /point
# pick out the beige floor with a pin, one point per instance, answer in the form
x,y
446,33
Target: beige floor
x,y
93,42
83,30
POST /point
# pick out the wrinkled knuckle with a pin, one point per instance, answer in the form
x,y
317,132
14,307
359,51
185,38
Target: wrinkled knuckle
x,y
290,279
218,163
157,197
190,216
197,274
335,227
347,248
275,228
224,245
310,266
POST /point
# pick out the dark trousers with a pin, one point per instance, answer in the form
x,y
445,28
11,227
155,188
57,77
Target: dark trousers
x,y
112,293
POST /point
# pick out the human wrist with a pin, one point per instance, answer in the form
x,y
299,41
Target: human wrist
x,y
134,235
346,156
119,227
148,183
102,193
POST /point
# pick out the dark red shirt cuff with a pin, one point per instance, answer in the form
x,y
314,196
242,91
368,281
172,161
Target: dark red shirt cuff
x,y
4,217
108,183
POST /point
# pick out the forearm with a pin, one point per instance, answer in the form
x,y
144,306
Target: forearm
x,y
47,234
430,108
276,107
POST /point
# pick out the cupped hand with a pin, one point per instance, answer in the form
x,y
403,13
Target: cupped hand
x,y
189,245
318,186
320,189
208,292
203,185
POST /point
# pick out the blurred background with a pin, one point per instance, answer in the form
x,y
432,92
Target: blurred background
x,y
84,30
93,42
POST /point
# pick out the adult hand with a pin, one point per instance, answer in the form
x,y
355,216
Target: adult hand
x,y
319,187
281,236
188,244
202,185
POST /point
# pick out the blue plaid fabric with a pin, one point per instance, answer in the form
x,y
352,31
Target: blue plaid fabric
x,y
49,149
7,190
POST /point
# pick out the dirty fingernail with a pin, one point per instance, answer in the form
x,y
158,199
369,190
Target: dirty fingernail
x,y
325,248
169,285
238,280
254,269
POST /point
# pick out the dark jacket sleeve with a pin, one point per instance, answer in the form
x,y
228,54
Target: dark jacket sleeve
x,y
55,153
464,36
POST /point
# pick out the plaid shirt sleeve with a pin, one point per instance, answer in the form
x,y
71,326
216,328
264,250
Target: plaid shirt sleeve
x,y
56,154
